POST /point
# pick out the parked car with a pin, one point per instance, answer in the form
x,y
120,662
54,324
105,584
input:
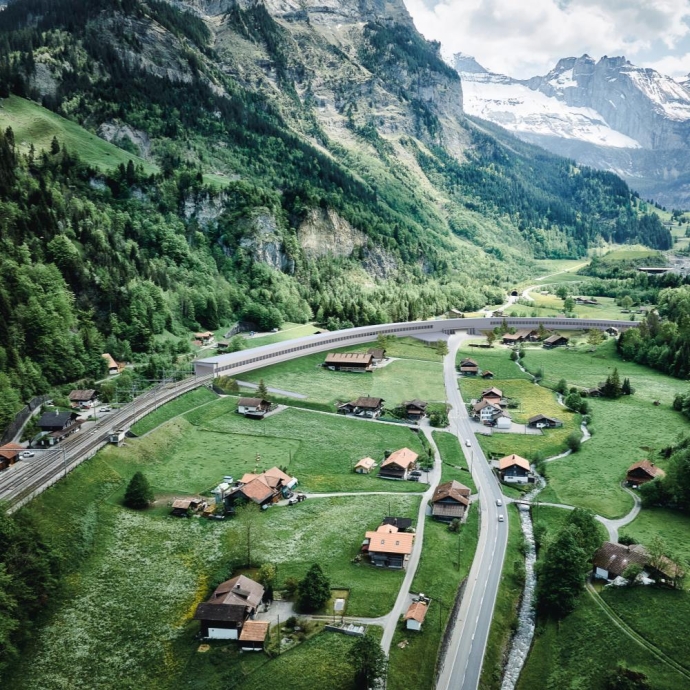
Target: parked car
x,y
28,454
104,409
293,501
416,473
413,478
499,502
501,518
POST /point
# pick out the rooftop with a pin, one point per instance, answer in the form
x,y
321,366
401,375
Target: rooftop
x,y
254,631
363,358
417,611
513,459
402,458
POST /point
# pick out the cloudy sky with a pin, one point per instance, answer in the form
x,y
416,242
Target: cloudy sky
x,y
524,38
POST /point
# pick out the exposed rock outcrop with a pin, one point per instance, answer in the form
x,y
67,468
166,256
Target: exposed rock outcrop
x,y
263,240
324,233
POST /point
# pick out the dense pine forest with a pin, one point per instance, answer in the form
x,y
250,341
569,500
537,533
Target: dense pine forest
x,y
99,258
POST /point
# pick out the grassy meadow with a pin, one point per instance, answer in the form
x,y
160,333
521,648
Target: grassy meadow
x,y
672,526
403,379
33,124
175,408
192,453
453,458
496,360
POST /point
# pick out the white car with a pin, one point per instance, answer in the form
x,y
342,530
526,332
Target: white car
x,y
468,443
104,409
499,502
28,454
501,518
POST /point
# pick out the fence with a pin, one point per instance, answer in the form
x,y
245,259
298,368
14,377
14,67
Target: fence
x,y
21,418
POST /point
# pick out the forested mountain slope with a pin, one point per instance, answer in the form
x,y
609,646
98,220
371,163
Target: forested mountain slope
x,y
312,158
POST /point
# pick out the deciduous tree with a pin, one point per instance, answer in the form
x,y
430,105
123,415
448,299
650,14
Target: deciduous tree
x,y
369,661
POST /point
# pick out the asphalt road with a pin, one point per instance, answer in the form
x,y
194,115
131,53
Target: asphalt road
x,y
463,661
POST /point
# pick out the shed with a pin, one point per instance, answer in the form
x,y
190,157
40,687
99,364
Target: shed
x,y
254,635
9,453
415,615
365,465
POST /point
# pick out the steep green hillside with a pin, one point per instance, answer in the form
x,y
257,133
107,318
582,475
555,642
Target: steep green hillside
x,y
36,126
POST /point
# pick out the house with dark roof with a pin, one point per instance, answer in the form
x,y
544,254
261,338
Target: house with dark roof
x,y
450,501
371,408
493,395
514,469
378,354
555,340
540,421
254,408
357,362
232,604
83,398
486,412
388,547
398,464
642,472
468,367
611,560
415,409
56,426
486,374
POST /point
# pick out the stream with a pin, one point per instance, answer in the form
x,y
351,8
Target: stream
x,y
522,640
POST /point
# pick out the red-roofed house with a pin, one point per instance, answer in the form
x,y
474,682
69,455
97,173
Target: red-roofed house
x,y
515,470
642,472
398,464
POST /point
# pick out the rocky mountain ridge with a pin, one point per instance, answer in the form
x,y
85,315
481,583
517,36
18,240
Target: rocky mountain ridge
x,y
607,113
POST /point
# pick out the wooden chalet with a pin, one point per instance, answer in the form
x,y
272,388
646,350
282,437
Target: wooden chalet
x,y
254,408
455,314
415,615
371,408
387,547
83,398
378,354
232,604
357,362
415,409
493,395
515,470
555,340
468,367
398,464
487,374
9,454
540,421
486,412
450,501
642,472
205,338
57,425
365,466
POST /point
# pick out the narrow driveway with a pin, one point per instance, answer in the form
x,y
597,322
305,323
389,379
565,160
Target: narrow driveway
x,y
463,661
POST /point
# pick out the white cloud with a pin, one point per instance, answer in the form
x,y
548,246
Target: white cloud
x,y
673,65
527,37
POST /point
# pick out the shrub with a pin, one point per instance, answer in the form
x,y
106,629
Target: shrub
x,y
574,441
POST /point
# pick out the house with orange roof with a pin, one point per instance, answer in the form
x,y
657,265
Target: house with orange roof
x,y
365,465
262,489
398,464
415,615
514,469
388,547
9,454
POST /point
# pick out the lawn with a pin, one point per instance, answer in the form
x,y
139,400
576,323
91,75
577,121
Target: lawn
x,y
400,380
192,453
625,430
671,525
445,562
659,615
578,366
289,331
33,124
505,618
496,360
176,407
533,400
550,305
132,580
578,651
453,458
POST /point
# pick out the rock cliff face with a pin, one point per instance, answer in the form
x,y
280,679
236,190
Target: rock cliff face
x,y
324,233
263,240
608,114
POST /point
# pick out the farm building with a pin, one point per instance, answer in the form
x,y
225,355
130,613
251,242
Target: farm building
x,y
415,615
469,367
450,501
112,365
521,336
642,472
540,421
365,466
371,408
358,362
487,374
83,398
555,340
204,338
253,635
182,507
398,464
455,314
493,396
515,470
611,560
378,354
387,547
229,608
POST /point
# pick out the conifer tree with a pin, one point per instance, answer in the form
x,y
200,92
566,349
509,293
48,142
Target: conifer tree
x,y
314,590
138,494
